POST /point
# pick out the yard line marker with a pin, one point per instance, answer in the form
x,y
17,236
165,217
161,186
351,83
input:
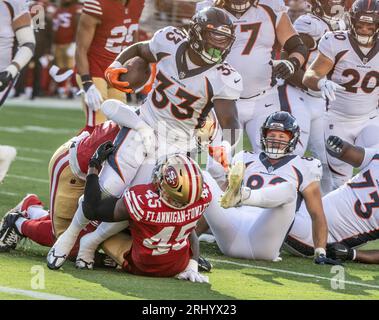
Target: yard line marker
x,y
10,194
308,275
34,294
30,159
36,150
13,176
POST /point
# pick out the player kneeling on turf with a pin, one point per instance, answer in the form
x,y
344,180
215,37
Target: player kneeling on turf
x,y
162,216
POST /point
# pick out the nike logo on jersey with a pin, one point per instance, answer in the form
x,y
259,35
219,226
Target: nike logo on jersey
x,y
268,105
319,166
236,81
308,22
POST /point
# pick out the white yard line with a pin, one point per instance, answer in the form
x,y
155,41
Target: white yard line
x,y
34,294
9,194
30,159
308,275
13,176
36,150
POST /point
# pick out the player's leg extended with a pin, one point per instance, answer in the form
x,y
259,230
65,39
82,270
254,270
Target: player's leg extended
x,y
267,234
65,190
348,131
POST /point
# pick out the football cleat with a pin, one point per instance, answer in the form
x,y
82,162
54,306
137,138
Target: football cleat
x,y
104,261
232,196
204,265
54,260
205,237
86,265
9,235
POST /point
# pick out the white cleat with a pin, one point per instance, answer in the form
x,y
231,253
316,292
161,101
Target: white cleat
x,y
209,238
55,260
86,254
60,251
232,195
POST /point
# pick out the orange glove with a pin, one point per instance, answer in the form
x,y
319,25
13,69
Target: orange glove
x,y
112,75
149,84
220,154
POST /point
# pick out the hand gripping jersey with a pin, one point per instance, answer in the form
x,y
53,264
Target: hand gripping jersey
x,y
160,233
357,72
10,10
64,25
115,32
253,49
182,96
85,145
299,171
351,211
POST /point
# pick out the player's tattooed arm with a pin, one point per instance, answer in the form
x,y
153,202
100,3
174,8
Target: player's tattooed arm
x,y
140,49
227,116
345,151
312,198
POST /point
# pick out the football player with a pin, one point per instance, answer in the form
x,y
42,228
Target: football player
x,y
307,106
275,182
67,172
105,28
162,215
259,26
191,79
351,210
346,71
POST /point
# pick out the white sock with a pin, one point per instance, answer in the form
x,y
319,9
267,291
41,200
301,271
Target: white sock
x,y
19,223
36,212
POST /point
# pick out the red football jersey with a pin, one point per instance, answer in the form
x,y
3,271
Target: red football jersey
x,y
64,24
160,233
87,147
114,33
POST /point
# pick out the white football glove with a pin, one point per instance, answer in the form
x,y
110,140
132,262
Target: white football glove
x,y
147,135
328,88
93,98
192,274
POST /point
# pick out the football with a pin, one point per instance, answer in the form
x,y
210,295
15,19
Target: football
x,y
138,72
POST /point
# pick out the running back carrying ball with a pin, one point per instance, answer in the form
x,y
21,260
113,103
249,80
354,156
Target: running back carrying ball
x,y
138,72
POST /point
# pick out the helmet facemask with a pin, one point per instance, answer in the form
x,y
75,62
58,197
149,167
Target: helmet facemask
x,y
212,43
274,148
364,18
239,6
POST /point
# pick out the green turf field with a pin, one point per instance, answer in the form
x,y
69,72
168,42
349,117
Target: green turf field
x,y
36,133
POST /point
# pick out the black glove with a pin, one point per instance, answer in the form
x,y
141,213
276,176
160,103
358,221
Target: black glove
x,y
5,79
322,259
204,265
334,146
340,251
101,154
284,69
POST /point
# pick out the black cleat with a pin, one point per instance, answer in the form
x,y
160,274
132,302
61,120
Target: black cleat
x,y
9,235
204,265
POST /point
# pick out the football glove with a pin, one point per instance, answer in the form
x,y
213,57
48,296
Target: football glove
x,y
328,88
340,252
321,258
92,96
334,146
283,69
222,154
101,154
5,79
192,274
113,74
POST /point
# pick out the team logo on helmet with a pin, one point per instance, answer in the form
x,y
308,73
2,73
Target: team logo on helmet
x,y
171,177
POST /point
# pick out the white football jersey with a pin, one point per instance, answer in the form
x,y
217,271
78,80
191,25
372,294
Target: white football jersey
x,y
10,10
252,51
357,72
182,96
299,171
351,211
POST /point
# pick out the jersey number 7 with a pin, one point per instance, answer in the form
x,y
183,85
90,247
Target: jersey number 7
x,y
253,28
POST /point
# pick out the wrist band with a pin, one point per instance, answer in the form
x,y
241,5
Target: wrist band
x,y
85,78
